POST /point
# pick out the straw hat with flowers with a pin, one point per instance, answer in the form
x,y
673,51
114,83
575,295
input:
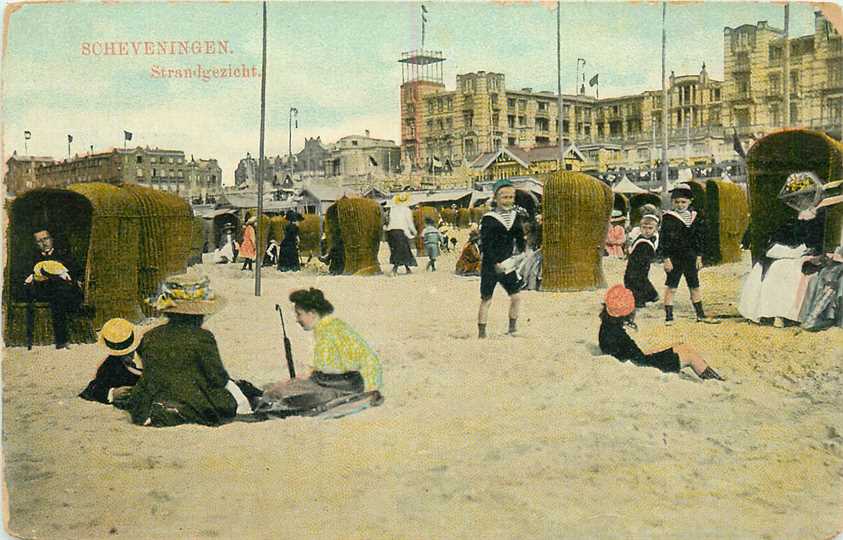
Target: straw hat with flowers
x,y
189,294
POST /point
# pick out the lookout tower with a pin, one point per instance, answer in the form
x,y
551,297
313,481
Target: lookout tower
x,y
421,76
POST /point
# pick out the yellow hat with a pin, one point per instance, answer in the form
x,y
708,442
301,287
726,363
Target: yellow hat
x,y
401,198
118,336
44,270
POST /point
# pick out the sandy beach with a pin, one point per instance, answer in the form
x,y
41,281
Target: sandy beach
x,y
531,436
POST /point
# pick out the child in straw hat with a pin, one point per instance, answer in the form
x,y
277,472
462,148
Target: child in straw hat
x,y
618,312
119,371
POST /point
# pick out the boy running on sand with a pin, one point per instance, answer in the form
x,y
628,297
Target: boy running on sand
x,y
502,238
680,245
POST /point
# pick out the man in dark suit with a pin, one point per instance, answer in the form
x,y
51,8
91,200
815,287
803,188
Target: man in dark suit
x,y
54,279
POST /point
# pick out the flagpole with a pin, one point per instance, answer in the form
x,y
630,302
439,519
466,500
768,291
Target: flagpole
x,y
561,102
259,229
25,145
665,167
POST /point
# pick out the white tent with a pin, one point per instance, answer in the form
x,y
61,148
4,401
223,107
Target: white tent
x,y
626,186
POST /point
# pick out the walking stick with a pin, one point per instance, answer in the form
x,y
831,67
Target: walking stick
x,y
288,349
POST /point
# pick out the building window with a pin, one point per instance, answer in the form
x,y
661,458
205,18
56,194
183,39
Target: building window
x,y
139,173
522,120
510,141
354,143
510,102
450,104
171,160
775,54
543,106
450,122
152,159
794,82
510,121
430,125
139,159
794,114
430,107
542,124
773,84
181,174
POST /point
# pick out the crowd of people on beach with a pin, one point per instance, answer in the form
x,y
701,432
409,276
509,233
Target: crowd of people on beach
x,y
173,374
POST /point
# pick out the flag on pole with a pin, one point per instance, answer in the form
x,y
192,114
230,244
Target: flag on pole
x,y
372,161
424,18
592,81
424,9
27,135
127,135
69,139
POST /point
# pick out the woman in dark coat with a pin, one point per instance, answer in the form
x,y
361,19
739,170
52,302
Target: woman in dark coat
x,y
184,380
288,259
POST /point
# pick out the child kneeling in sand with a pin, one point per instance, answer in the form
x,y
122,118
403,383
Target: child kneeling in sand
x,y
618,311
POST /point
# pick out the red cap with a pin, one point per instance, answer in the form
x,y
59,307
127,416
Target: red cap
x,y
619,301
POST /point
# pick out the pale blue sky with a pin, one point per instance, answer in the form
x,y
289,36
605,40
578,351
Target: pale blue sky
x,y
335,62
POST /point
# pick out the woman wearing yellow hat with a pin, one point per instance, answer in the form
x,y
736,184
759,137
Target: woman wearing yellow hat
x,y
118,372
400,229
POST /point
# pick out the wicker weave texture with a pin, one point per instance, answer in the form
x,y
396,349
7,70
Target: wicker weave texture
x,y
576,211
770,161
359,222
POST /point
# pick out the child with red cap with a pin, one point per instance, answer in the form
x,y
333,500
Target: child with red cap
x,y
618,311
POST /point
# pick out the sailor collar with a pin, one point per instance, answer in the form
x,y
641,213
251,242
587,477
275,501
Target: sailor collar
x,y
497,215
677,216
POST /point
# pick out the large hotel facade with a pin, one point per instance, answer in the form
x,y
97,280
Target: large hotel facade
x,y
482,115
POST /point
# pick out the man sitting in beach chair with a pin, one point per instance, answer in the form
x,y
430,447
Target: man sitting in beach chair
x,y
347,374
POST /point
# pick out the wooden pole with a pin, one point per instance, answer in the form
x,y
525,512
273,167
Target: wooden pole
x,y
259,228
561,102
665,167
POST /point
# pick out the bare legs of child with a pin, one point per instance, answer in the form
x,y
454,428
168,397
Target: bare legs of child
x,y
688,356
483,314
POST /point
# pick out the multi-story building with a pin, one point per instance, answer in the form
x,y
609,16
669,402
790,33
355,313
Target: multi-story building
x,y
362,155
275,171
754,71
21,172
310,160
204,179
481,114
157,168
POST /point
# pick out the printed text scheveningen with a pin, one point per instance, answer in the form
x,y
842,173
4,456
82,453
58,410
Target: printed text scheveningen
x,y
155,48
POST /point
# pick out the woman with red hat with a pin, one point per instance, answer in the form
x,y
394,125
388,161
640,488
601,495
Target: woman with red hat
x,y
619,311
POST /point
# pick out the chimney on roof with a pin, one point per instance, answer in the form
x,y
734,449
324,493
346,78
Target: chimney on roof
x,y
367,133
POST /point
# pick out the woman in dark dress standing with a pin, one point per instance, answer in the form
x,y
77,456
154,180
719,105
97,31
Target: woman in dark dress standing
x,y
288,259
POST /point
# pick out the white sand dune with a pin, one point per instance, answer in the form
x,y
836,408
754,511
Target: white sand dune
x,y
530,436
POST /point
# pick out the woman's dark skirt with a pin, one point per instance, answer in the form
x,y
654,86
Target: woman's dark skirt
x,y
399,248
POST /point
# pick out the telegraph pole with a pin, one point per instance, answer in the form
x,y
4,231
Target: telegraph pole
x,y
259,229
786,66
561,114
665,168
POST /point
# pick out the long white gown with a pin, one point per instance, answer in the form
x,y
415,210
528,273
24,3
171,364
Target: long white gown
x,y
782,290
